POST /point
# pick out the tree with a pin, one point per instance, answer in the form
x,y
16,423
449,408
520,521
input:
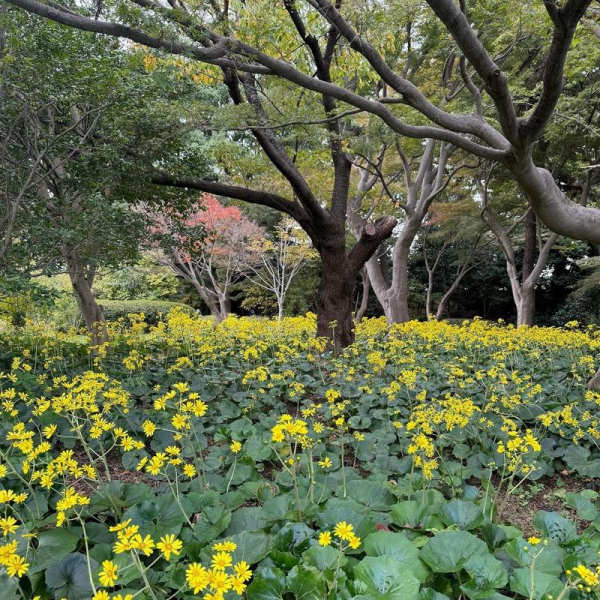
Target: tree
x,y
488,115
278,260
209,245
453,237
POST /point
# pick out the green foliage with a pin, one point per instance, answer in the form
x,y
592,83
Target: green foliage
x,y
152,309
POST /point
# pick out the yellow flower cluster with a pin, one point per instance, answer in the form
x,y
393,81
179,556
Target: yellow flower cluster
x,y
222,576
344,532
288,428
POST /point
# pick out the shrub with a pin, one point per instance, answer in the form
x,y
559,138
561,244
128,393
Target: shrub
x,y
152,309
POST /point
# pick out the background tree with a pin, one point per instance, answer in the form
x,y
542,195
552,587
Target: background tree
x,y
209,245
278,259
453,243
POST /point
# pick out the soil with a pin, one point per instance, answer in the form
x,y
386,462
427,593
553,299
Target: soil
x,y
545,494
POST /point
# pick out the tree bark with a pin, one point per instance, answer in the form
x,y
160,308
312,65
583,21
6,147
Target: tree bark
x,y
526,306
364,301
594,383
334,299
92,313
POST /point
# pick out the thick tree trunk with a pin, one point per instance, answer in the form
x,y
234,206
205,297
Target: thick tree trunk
x,y
526,306
334,299
396,302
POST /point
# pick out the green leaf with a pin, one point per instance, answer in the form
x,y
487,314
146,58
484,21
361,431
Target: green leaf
x,y
268,584
116,494
306,583
8,587
371,494
323,558
385,581
549,560
70,578
555,526
156,519
577,459
585,507
543,584
252,546
465,515
249,518
487,574
53,546
449,551
409,513
398,546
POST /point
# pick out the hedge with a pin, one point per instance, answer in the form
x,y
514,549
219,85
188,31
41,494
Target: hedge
x,y
152,309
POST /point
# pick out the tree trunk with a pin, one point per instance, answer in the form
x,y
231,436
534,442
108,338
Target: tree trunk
x,y
279,309
364,301
396,302
594,383
224,308
428,310
529,246
91,311
526,306
334,299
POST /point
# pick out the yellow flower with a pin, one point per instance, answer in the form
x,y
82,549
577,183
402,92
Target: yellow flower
x,y
16,565
219,581
108,575
225,546
587,575
8,525
49,431
534,541
354,542
120,526
197,577
235,447
189,471
325,463
344,530
242,570
101,595
169,545
144,545
221,560
325,538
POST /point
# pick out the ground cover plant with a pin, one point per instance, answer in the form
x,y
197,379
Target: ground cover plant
x,y
191,460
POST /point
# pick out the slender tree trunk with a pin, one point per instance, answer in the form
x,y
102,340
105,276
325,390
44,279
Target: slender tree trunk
x,y
279,309
91,311
428,309
364,301
529,246
334,298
